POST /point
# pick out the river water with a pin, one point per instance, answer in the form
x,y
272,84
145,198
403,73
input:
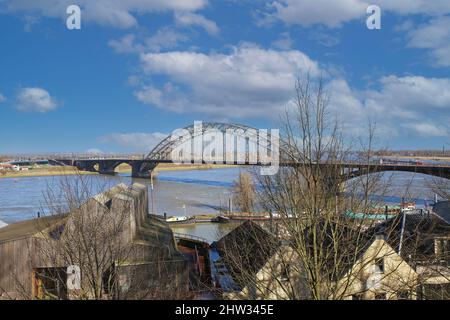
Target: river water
x,y
176,193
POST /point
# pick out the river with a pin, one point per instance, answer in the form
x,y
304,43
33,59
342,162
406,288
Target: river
x,y
175,192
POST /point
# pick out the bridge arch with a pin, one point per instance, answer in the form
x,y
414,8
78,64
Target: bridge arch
x,y
259,138
118,163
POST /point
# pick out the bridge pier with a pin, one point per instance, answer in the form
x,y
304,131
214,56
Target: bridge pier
x,y
107,167
142,175
142,169
84,166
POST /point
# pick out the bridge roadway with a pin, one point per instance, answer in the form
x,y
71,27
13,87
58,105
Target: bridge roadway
x,y
142,168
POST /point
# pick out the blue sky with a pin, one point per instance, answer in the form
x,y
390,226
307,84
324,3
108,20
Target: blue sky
x,y
139,69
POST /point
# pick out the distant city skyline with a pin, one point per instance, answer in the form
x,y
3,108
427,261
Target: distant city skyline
x,y
137,70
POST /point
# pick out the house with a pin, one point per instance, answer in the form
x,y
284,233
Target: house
x,y
10,167
442,209
255,264
40,258
355,265
423,241
379,273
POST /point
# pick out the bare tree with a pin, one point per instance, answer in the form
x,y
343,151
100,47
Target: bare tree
x,y
244,194
115,249
320,245
91,236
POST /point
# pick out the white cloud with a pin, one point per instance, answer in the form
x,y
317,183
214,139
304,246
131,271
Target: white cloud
x,y
143,142
324,38
126,44
428,129
252,82
328,12
334,13
35,100
434,35
117,13
411,104
414,93
165,38
248,82
2,98
168,97
193,19
284,42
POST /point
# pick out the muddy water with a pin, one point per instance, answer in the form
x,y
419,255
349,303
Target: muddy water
x,y
175,192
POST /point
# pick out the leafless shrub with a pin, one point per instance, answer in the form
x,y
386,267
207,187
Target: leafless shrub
x,y
328,254
244,195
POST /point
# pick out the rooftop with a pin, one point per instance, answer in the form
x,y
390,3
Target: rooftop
x,y
442,209
28,228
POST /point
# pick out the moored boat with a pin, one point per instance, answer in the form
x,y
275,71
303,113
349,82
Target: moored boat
x,y
180,220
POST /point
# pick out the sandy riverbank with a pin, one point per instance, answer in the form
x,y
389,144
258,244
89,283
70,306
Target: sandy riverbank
x,y
124,168
43,172
63,171
436,158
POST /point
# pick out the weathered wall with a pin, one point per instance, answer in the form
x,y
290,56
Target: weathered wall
x,y
397,276
150,242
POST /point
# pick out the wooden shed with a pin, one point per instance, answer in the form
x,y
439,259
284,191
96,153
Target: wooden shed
x,y
34,262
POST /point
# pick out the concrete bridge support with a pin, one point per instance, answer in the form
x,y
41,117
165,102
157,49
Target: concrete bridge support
x,y
139,168
107,167
85,166
142,169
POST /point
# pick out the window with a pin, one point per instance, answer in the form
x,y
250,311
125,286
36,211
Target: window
x,y
49,283
442,247
56,233
380,296
379,264
403,295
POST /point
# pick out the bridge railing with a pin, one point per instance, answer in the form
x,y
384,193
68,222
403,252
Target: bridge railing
x,y
100,156
189,236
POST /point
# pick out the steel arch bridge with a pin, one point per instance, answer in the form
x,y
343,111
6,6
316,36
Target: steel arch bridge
x,y
163,153
164,150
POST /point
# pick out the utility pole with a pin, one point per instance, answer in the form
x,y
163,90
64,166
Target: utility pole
x,y
401,233
153,198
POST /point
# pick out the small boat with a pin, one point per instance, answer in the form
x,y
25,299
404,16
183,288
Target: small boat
x,y
220,219
247,217
408,206
3,224
180,220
